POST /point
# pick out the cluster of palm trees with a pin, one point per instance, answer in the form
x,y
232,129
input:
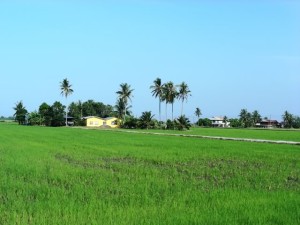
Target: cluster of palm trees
x,y
165,92
168,93
124,96
248,119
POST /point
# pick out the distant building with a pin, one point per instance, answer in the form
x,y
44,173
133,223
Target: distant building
x,y
268,124
70,120
94,121
218,121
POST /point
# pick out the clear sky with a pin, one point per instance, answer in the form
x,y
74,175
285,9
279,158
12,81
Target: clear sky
x,y
232,54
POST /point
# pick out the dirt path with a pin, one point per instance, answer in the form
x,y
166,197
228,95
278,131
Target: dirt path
x,y
212,137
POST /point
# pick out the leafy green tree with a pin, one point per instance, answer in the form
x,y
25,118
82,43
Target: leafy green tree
x,y
20,114
256,117
121,109
198,112
46,114
182,123
66,90
205,122
88,108
146,120
75,111
130,123
245,118
183,94
170,124
34,118
157,91
170,93
57,111
234,122
296,122
125,95
107,111
287,119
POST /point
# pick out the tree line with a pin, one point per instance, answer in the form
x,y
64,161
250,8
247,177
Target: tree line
x,y
57,114
247,119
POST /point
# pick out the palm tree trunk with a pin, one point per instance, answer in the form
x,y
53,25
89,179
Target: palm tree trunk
x,y
66,113
166,111
172,111
124,114
181,107
159,110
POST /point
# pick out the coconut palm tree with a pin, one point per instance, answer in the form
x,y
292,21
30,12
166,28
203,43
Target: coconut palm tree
x,y
170,93
256,117
198,112
183,94
66,90
120,109
146,120
125,94
182,123
21,112
157,91
287,119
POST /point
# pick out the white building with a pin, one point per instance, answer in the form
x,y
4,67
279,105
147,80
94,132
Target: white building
x,y
218,121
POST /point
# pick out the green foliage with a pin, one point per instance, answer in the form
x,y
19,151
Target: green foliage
x,y
20,114
235,122
198,112
205,122
146,120
256,117
182,123
183,94
57,114
296,122
245,118
124,95
34,118
170,125
287,119
169,94
66,90
157,91
121,109
130,123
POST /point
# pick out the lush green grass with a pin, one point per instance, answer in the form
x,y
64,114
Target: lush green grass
x,y
266,134
75,176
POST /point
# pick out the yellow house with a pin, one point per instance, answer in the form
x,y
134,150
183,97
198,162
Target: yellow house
x,y
94,121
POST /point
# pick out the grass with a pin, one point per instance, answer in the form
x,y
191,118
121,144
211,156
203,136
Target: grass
x,y
265,134
74,176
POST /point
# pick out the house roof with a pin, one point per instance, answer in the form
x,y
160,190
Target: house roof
x,y
220,118
107,118
88,117
269,121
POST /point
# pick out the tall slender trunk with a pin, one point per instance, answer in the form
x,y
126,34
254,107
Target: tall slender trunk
x,y
172,111
124,114
66,112
181,107
159,110
166,111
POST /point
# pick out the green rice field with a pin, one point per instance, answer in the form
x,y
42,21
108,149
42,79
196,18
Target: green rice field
x,y
79,176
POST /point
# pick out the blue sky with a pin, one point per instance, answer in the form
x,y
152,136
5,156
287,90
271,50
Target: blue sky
x,y
232,54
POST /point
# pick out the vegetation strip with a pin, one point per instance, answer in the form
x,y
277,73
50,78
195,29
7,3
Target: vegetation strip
x,y
213,137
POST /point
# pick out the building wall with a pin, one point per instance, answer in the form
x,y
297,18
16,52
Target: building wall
x,y
112,122
98,122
